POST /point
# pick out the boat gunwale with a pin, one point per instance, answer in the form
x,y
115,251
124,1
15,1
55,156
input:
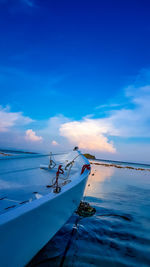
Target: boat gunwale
x,y
20,210
28,156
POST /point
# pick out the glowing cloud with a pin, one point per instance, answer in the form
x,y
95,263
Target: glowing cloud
x,y
54,143
31,136
88,134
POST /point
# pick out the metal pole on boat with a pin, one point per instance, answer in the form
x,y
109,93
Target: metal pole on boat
x,y
50,159
52,164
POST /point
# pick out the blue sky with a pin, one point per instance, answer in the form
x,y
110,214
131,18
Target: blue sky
x,y
76,72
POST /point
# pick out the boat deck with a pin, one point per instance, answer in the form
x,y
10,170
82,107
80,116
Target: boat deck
x,y
22,180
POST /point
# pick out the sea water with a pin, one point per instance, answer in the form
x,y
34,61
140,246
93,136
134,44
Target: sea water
x,y
119,232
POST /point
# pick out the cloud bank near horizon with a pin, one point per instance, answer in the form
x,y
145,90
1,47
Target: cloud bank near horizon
x,y
89,133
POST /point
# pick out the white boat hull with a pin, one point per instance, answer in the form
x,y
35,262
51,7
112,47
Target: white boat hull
x,y
30,229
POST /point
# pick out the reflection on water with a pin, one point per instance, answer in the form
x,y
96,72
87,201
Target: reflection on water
x,y
117,235
94,184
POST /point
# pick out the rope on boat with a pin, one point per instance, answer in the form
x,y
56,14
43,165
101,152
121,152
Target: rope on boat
x,y
57,188
52,164
84,210
74,230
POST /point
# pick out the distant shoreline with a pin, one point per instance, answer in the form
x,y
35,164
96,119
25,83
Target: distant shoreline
x,y
120,167
5,154
124,162
89,156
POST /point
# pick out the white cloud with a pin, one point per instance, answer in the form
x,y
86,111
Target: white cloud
x,y
54,143
9,119
129,120
133,121
31,136
88,134
113,105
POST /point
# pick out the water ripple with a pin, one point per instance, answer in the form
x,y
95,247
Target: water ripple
x,y
117,235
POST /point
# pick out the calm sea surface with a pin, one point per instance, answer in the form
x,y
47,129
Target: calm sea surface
x,y
119,232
